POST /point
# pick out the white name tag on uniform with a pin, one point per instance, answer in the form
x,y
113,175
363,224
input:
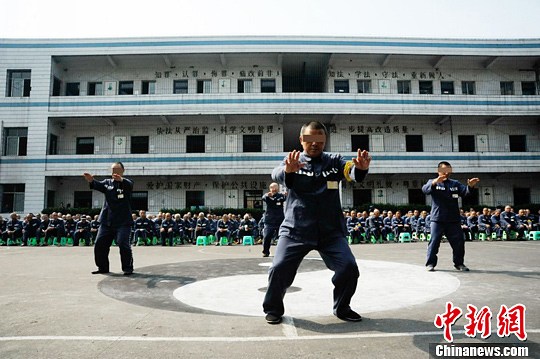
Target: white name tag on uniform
x,y
332,185
455,195
120,196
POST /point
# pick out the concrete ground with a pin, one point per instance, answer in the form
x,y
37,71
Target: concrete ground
x,y
204,302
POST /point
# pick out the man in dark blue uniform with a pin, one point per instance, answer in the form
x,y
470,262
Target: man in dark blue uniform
x,y
115,219
273,216
30,228
445,216
82,231
166,231
314,221
484,223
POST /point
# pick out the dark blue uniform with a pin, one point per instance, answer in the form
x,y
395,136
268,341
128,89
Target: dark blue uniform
x,y
143,227
313,221
82,231
273,217
445,219
168,227
30,229
115,222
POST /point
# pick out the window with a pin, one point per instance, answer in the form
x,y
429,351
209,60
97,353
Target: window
x,y
507,88
148,87
268,85
361,197
15,141
414,143
139,144
470,200
51,195
85,146
12,198
416,196
195,144
404,87
359,142
252,199
18,83
364,86
341,86
468,87
180,86
528,88
447,87
244,86
82,199
518,143
251,143
57,85
522,196
139,200
194,199
204,86
53,144
466,143
95,89
426,87
73,88
125,88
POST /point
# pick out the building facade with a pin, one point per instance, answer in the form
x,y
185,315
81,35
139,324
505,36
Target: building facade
x,y
203,121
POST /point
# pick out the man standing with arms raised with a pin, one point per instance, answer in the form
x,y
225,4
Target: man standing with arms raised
x,y
115,219
445,216
314,221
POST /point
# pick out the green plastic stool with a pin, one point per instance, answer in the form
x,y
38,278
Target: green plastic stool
x,y
482,236
534,235
404,237
32,241
224,241
201,240
247,240
390,237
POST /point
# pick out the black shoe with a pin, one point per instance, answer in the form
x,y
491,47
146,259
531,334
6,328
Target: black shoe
x,y
349,316
272,319
430,268
266,255
99,271
462,268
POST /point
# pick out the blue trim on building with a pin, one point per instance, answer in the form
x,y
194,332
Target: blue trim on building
x,y
269,157
270,42
269,100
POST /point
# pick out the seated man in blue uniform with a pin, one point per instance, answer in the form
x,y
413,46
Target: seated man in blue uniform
x,y
14,229
223,230
166,230
354,228
472,223
445,216
143,228
82,231
314,221
398,224
484,222
30,228
245,228
510,222
376,225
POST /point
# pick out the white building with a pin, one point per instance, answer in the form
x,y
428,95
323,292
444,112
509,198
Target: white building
x,y
203,121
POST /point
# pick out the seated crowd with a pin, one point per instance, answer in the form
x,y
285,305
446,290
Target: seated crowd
x,y
387,226
167,229
164,228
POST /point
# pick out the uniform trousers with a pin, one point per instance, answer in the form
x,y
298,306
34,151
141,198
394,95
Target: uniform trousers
x,y
454,234
335,253
103,244
269,232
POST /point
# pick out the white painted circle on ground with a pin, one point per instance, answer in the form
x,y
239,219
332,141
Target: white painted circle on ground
x,y
382,286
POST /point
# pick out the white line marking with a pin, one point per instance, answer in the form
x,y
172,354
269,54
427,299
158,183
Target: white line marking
x,y
233,339
289,330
